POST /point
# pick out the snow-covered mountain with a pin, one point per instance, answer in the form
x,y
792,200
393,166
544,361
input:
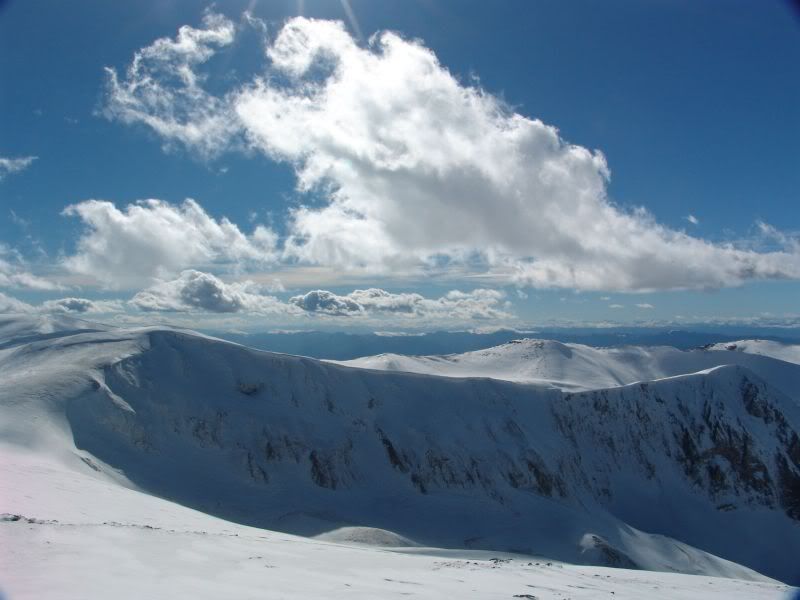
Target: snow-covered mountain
x,y
576,367
694,473
779,350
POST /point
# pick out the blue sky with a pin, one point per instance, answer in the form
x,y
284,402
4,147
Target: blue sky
x,y
695,107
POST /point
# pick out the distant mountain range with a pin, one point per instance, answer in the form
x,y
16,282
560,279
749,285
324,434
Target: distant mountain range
x,y
346,346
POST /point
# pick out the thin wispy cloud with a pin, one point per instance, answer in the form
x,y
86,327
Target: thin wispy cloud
x,y
16,272
162,89
10,166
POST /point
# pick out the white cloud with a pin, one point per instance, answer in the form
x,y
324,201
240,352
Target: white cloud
x,y
9,166
15,272
645,305
420,170
692,219
154,239
162,90
10,305
323,301
477,304
616,306
81,305
197,291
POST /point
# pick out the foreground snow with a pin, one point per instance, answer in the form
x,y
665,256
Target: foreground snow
x,y
72,535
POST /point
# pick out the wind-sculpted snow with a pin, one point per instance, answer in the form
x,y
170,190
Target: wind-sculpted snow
x,y
667,475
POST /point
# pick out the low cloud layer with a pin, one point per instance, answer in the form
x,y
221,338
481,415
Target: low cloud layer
x,y
477,304
417,169
195,291
203,292
81,306
152,239
9,304
9,166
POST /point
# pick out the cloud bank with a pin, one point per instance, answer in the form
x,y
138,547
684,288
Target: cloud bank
x,y
417,169
477,304
196,291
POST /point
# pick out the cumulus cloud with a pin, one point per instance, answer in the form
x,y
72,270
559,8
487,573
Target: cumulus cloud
x,y
645,305
692,219
198,291
477,304
155,239
418,169
9,166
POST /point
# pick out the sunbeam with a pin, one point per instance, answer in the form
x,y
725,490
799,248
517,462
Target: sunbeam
x,y
351,18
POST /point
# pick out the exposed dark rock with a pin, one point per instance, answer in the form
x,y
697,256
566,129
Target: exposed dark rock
x,y
394,458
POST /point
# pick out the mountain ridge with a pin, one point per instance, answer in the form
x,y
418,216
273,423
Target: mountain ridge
x,y
578,367
257,437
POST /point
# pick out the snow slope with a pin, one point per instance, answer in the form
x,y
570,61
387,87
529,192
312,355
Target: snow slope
x,y
575,367
708,464
781,351
81,535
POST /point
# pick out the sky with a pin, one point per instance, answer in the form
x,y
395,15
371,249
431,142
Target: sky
x,y
400,164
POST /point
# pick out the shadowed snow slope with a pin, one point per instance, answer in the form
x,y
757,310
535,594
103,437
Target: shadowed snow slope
x,y
708,464
575,367
96,539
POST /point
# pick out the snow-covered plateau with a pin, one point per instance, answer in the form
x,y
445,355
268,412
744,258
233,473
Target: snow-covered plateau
x,y
155,462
